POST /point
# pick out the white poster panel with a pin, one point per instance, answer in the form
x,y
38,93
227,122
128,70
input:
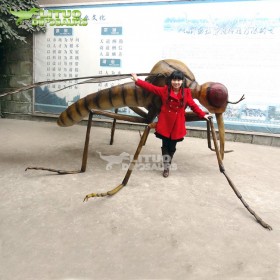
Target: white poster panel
x,y
235,43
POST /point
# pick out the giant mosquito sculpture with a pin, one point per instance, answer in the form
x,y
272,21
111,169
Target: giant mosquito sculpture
x,y
213,96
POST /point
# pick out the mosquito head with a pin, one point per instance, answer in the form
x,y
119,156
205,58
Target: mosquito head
x,y
217,95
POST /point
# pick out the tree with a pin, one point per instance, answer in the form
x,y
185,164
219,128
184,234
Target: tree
x,y
9,30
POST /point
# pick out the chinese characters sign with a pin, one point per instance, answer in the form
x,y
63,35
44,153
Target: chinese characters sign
x,y
233,42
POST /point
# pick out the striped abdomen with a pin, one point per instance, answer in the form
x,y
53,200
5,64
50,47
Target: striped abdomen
x,y
126,95
115,97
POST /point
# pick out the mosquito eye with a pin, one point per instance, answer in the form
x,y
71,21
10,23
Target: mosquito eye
x,y
217,95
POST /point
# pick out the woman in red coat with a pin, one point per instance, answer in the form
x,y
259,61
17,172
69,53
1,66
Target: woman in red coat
x,y
171,127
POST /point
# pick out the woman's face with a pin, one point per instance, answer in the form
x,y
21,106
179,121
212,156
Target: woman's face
x,y
176,83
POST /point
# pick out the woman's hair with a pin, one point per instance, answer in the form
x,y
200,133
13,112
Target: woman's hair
x,y
176,75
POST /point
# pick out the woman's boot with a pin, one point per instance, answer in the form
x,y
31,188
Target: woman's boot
x,y
166,161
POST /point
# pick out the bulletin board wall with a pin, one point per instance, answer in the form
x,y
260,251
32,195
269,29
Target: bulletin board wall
x,y
235,43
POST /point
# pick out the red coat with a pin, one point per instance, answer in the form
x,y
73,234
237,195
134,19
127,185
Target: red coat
x,y
171,119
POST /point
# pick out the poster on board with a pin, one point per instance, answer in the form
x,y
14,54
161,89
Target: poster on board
x,y
235,43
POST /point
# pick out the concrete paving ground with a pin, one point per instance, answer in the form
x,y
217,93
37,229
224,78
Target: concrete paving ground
x,y
190,225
